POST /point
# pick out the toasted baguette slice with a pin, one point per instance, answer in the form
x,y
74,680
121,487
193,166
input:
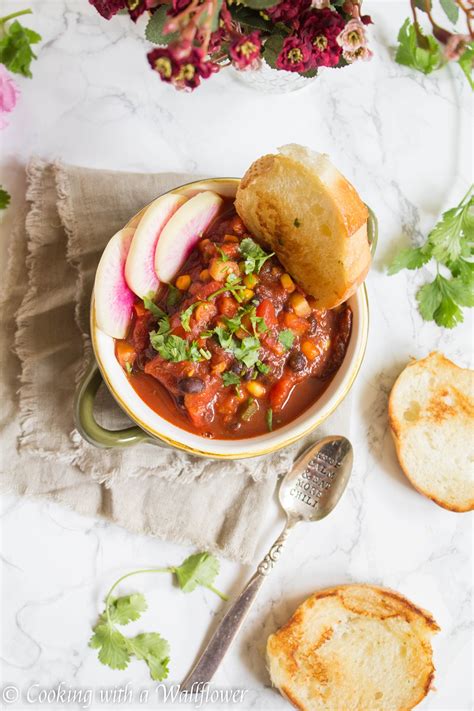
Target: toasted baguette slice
x,y
299,206
354,648
431,413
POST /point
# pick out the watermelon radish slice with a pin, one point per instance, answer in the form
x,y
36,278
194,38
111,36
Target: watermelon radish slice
x,y
183,230
113,298
140,266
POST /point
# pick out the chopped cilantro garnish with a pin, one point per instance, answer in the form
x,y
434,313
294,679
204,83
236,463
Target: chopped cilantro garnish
x,y
174,295
254,255
175,348
150,306
286,338
248,351
186,316
262,367
223,255
230,378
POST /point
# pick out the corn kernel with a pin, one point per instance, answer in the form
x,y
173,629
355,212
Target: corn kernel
x,y
287,283
183,282
256,389
251,280
247,294
219,367
300,305
204,275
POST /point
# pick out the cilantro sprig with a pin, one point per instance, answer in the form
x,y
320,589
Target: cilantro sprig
x,y
115,650
4,198
450,244
15,44
255,257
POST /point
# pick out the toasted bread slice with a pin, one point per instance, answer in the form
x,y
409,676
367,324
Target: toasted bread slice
x,y
354,648
299,206
431,413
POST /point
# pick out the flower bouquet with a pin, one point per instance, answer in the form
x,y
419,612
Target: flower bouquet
x,y
197,38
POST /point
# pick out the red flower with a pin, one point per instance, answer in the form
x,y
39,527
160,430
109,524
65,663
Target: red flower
x,y
320,30
288,11
295,56
182,72
245,50
108,8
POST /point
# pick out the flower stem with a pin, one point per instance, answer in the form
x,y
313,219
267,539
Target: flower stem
x,y
15,14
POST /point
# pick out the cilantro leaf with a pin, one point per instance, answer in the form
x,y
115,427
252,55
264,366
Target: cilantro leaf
x,y
153,649
175,348
127,609
4,198
225,338
418,51
286,338
262,367
447,235
438,302
409,258
269,419
466,62
15,48
198,569
254,255
429,299
248,352
174,295
230,378
150,306
112,646
186,316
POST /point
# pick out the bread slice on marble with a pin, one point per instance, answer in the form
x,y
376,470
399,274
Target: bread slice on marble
x,y
431,413
354,648
298,205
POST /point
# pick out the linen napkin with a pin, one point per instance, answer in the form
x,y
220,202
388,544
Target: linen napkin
x,y
69,216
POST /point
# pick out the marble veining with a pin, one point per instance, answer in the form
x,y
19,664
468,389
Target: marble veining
x,y
404,140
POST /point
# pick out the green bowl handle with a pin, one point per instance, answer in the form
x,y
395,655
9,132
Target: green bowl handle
x,y
372,231
85,420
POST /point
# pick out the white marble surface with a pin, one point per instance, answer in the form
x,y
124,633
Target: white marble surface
x,y
404,140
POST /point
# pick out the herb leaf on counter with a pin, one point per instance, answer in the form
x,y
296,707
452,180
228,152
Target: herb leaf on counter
x,y
15,45
451,245
115,649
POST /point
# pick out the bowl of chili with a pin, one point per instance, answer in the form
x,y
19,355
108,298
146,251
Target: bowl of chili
x,y
232,359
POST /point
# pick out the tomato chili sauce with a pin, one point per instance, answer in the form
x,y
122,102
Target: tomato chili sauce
x,y
233,348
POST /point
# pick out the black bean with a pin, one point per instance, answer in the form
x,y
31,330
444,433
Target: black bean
x,y
237,367
191,385
248,375
313,325
297,361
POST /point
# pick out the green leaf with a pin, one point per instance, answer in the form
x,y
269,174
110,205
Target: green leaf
x,y
262,367
423,4
286,338
174,296
460,291
230,378
409,258
112,646
466,62
255,256
429,299
250,18
438,302
153,649
198,569
451,10
150,306
447,236
185,317
127,609
216,15
259,4
411,53
272,49
4,198
248,352
154,29
15,48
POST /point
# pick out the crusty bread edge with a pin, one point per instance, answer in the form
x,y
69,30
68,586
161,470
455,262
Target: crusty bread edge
x,y
394,429
329,592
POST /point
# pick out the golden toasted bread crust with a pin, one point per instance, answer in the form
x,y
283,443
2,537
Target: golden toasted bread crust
x,y
299,206
446,403
308,656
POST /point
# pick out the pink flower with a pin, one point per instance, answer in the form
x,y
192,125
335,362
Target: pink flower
x,y
295,55
245,50
108,8
352,36
455,46
9,93
362,53
183,72
320,30
320,4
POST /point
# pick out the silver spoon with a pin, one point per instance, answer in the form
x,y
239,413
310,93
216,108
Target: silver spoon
x,y
309,492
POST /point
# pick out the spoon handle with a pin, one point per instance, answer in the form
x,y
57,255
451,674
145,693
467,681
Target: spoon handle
x,y
213,654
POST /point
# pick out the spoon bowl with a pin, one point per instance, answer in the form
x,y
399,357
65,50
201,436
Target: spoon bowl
x,y
316,482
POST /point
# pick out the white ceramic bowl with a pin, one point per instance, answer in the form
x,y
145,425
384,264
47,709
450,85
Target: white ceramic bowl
x,y
159,428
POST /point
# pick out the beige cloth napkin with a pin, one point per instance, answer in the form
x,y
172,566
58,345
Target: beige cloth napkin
x,y
71,213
